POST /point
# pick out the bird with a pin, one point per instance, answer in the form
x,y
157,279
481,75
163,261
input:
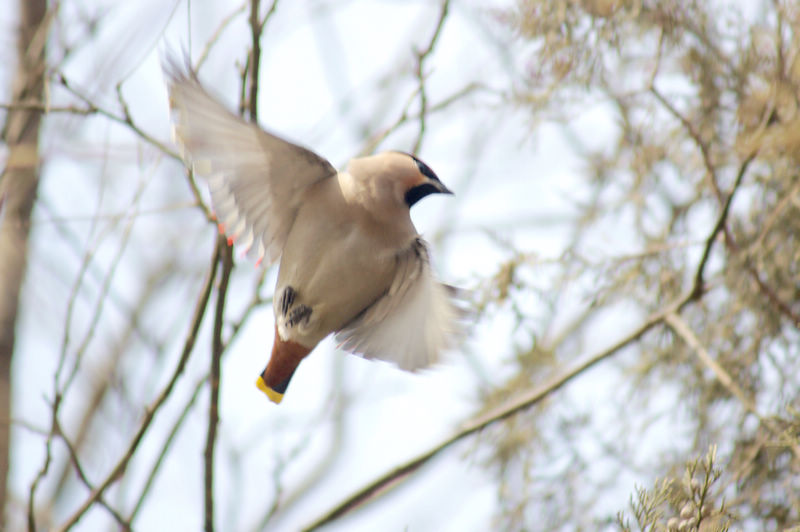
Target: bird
x,y
351,262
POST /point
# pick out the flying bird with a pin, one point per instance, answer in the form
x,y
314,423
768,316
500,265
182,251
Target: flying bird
x,y
351,261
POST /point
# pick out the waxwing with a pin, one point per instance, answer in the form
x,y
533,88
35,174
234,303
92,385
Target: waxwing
x,y
351,261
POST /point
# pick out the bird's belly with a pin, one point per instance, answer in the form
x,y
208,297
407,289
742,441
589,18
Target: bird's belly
x,y
336,277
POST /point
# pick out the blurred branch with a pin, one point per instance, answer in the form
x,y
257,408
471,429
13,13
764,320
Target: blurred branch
x,y
785,309
73,456
19,181
375,140
70,237
524,401
698,289
255,301
422,56
682,329
101,299
695,135
788,198
224,23
677,324
165,448
127,120
47,109
153,408
257,26
254,60
283,501
217,348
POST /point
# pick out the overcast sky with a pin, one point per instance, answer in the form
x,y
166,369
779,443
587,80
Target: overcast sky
x,y
330,71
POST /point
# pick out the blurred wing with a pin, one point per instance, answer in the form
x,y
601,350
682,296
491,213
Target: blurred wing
x,y
412,323
256,179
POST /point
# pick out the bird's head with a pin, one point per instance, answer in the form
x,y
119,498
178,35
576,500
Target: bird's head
x,y
395,179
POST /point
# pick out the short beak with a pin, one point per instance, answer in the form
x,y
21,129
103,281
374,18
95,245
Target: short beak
x,y
443,189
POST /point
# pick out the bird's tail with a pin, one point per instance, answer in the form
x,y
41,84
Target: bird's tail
x,y
286,356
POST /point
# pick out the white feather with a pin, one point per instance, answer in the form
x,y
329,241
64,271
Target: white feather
x,y
412,324
256,179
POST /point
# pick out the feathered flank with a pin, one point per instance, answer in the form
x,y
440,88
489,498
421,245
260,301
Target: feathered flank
x,y
415,301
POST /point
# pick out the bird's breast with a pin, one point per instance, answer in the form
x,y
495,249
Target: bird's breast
x,y
337,268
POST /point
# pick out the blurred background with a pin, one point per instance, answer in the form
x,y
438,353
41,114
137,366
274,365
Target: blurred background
x,y
625,222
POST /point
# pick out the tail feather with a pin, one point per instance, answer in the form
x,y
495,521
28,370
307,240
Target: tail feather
x,y
286,356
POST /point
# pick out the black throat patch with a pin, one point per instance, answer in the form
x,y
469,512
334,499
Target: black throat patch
x,y
418,192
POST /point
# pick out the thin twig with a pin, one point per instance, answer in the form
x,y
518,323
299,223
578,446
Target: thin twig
x,y
255,301
73,456
48,109
217,347
781,305
48,458
504,411
224,23
420,73
405,116
697,290
100,391
682,329
104,289
127,120
153,408
165,448
255,60
701,144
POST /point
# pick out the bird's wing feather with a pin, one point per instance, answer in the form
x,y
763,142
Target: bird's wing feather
x,y
256,178
412,323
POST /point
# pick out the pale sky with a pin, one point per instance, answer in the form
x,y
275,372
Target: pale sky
x,y
324,75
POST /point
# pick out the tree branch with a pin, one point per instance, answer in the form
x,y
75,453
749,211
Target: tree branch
x,y
504,411
73,456
697,290
421,57
165,448
695,135
217,348
153,408
127,120
682,329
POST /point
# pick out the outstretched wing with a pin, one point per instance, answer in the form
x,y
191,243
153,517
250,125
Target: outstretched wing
x,y
410,325
256,178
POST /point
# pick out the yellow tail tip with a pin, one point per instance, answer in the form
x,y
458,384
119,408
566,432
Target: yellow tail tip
x,y
274,396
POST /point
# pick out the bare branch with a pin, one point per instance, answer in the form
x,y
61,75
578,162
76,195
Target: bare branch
x,y
698,289
165,448
73,456
19,181
695,135
153,408
680,327
683,330
217,349
527,399
224,23
421,90
127,120
405,116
